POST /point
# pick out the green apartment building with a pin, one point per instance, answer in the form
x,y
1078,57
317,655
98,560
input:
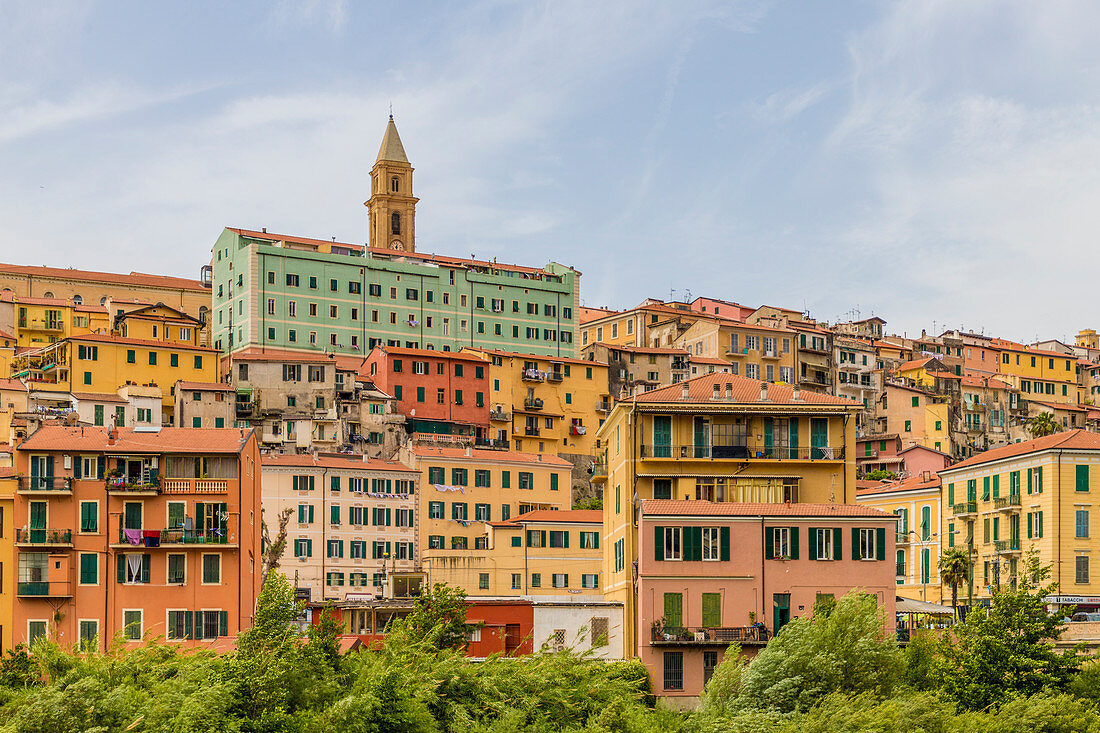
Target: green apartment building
x,y
297,293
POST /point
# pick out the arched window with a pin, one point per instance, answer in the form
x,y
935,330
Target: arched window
x,y
203,311
47,294
77,300
395,223
395,184
103,300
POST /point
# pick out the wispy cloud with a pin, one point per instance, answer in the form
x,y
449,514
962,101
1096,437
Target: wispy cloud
x,y
331,14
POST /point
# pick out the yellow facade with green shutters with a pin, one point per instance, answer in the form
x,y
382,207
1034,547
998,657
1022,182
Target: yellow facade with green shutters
x,y
1042,495
1040,375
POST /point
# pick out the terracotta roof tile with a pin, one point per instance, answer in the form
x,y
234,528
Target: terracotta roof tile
x,y
103,338
114,278
477,454
98,397
1070,440
347,463
205,386
587,516
738,509
166,440
639,349
274,355
745,391
914,483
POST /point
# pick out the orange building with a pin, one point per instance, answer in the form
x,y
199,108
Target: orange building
x,y
147,532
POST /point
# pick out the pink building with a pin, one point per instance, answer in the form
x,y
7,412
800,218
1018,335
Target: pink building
x,y
712,574
920,460
881,451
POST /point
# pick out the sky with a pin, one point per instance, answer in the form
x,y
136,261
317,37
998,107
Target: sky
x,y
935,163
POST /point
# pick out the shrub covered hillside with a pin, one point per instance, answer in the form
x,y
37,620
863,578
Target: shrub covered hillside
x,y
998,672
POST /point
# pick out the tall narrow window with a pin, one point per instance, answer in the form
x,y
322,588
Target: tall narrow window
x,y
395,223
395,186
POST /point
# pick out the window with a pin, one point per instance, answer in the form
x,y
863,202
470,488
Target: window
x,y
483,581
1081,565
711,545
867,545
89,632
824,544
712,610
590,540
131,621
560,580
177,573
211,569
89,514
672,540
1082,475
89,568
673,670
516,578
1081,523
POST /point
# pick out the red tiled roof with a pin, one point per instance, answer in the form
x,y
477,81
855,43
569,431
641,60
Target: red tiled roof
x,y
205,386
167,440
639,349
7,471
530,357
443,259
1070,440
13,384
915,364
347,463
98,397
881,436
738,509
1061,406
708,360
745,391
429,354
347,363
969,380
139,279
106,338
477,454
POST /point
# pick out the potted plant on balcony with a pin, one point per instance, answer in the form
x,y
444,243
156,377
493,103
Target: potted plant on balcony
x,y
657,630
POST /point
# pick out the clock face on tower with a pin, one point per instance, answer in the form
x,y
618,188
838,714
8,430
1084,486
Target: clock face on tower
x,y
396,244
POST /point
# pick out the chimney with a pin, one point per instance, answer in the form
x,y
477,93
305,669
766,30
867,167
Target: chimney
x,y
796,394
538,457
265,230
717,391
763,391
469,451
111,437
684,390
729,390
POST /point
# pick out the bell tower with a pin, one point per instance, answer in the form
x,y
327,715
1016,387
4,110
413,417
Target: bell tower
x,y
391,208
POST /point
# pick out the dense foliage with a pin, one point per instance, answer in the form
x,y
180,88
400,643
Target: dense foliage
x,y
840,671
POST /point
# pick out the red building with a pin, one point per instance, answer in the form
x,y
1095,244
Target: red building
x,y
440,392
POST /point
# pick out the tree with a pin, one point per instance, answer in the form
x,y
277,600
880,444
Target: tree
x,y
881,474
955,570
274,549
1007,650
592,502
439,614
1042,425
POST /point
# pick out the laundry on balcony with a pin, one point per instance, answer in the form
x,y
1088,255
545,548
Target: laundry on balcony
x,y
151,537
133,536
444,487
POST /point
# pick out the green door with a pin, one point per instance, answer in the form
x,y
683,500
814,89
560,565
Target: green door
x,y
819,436
702,437
662,436
674,610
38,521
769,437
781,603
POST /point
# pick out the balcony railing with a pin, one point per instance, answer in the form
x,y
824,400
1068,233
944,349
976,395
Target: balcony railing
x,y
530,431
492,444
45,483
555,376
708,635
1007,502
1007,545
903,538
533,403
171,537
44,588
744,452
603,406
245,408
44,536
533,375
499,415
194,485
134,483
599,470
964,507
576,429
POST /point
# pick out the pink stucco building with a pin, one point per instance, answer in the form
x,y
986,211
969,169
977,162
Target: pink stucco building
x,y
711,574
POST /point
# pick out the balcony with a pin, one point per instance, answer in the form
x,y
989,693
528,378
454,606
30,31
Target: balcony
x,y
194,486
965,507
532,403
743,452
769,354
491,443
603,406
499,416
172,538
679,364
708,635
532,375
1009,503
816,380
245,409
133,486
45,588
530,431
52,485
554,376
576,430
598,472
44,537
1007,546
903,538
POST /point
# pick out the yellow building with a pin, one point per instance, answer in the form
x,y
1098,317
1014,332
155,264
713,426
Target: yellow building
x,y
36,322
464,489
7,555
1041,375
717,437
541,404
652,323
916,502
754,351
539,553
928,372
158,323
1035,495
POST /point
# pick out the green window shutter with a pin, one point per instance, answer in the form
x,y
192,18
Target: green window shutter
x,y
146,561
1030,481
985,488
542,533
696,534
223,623
553,482
188,625
950,494
794,542
311,478
334,483
769,543
121,568
1039,481
674,610
565,536
769,430
309,544
506,479
813,543
658,543
1082,478
880,543
294,482
838,544
723,538
794,433
712,610
1030,520
855,543
334,514
997,483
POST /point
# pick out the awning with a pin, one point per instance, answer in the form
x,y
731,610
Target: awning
x,y
908,605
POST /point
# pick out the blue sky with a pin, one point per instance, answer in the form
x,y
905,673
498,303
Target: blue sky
x,y
934,163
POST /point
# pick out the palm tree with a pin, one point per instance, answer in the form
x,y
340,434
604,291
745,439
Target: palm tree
x,y
955,570
1042,425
